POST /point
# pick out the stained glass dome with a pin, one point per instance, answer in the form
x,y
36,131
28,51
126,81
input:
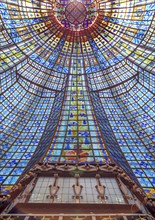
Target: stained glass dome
x,y
77,85
75,13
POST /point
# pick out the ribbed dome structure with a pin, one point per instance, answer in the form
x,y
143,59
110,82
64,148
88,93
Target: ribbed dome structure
x,y
79,86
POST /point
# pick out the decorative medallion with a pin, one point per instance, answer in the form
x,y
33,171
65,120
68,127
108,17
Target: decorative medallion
x,y
76,15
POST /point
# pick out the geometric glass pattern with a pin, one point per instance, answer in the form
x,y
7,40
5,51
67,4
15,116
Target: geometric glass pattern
x,y
65,194
75,13
52,70
77,138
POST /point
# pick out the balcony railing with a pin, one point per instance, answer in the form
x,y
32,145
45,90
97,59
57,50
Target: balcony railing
x,y
90,216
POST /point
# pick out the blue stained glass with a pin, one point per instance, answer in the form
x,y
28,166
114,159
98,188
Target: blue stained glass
x,y
11,180
72,94
17,171
6,171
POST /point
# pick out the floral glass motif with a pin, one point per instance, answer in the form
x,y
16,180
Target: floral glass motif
x,y
109,58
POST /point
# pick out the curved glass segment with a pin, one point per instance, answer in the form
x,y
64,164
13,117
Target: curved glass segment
x,y
77,138
77,89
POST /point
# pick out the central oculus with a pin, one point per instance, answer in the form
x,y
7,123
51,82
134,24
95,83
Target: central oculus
x,y
75,13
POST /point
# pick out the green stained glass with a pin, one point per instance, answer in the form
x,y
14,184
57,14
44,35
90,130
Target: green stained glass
x,y
77,85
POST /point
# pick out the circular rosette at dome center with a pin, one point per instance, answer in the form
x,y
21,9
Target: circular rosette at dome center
x,y
76,15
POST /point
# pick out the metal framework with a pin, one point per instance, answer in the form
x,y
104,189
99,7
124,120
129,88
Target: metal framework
x,y
81,95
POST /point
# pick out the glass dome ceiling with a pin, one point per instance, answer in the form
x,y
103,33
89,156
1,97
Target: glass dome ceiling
x,y
100,68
